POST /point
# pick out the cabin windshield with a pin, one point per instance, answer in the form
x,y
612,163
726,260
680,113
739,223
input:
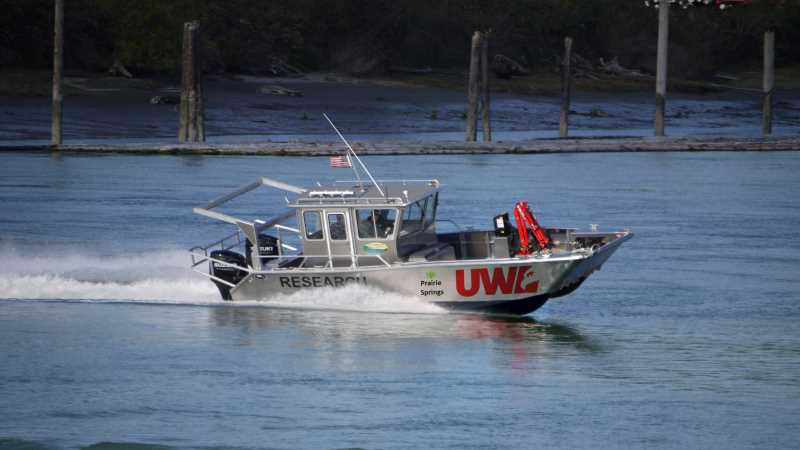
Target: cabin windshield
x,y
419,215
412,220
430,210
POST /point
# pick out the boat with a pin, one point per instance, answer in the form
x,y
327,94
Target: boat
x,y
386,234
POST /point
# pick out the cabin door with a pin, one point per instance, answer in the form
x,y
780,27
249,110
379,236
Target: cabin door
x,y
340,237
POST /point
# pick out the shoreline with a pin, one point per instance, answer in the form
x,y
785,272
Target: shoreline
x,y
540,146
244,117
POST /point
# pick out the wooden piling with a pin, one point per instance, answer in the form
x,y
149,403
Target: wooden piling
x,y
472,88
566,88
661,65
58,62
485,96
192,116
769,80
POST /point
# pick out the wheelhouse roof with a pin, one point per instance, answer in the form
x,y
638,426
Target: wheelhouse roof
x,y
350,193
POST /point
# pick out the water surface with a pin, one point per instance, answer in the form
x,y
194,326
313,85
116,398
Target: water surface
x,y
687,338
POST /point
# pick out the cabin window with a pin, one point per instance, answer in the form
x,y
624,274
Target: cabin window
x,y
384,222
430,210
374,223
336,227
313,224
412,222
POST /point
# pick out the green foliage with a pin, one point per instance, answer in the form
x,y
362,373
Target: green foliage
x,y
249,35
148,33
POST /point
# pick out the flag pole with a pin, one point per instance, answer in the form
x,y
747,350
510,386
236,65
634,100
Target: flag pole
x,y
355,156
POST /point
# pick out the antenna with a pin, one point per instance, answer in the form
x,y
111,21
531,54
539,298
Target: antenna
x,y
349,160
354,155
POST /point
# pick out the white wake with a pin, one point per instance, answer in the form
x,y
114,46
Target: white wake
x,y
164,277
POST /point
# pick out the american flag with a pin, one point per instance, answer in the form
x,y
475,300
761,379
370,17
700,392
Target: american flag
x,y
340,161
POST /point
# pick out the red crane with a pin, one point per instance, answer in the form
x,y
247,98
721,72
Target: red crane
x,y
526,221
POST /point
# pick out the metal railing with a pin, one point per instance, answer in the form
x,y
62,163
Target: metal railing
x,y
200,258
237,235
349,201
432,182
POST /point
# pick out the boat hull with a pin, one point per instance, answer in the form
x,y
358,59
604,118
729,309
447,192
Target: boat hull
x,y
513,307
510,286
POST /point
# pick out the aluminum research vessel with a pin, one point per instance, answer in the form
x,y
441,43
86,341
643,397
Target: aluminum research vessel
x,y
384,234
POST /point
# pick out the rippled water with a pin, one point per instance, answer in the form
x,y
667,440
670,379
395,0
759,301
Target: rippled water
x,y
687,338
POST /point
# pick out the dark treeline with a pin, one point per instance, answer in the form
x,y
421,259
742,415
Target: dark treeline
x,y
363,36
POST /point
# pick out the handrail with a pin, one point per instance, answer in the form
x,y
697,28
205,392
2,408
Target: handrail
x,y
237,234
239,241
204,257
348,201
284,227
224,263
421,180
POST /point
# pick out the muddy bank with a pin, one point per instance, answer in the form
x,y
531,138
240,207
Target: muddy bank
x,y
242,110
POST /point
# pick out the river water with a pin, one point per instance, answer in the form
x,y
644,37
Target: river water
x,y
688,337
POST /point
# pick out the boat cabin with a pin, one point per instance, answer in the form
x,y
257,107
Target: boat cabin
x,y
367,224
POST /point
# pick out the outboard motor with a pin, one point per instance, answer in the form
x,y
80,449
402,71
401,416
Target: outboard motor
x,y
267,249
227,273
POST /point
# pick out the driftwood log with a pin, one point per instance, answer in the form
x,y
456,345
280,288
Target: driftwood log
x,y
613,67
505,67
411,70
167,99
117,69
583,68
281,68
280,90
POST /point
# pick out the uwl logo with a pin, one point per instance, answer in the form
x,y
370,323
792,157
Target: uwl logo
x,y
516,280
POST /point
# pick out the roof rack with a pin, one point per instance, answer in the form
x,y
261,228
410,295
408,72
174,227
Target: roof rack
x,y
250,228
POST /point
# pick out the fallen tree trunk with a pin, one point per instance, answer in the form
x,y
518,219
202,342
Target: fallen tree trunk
x,y
119,70
505,67
613,67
